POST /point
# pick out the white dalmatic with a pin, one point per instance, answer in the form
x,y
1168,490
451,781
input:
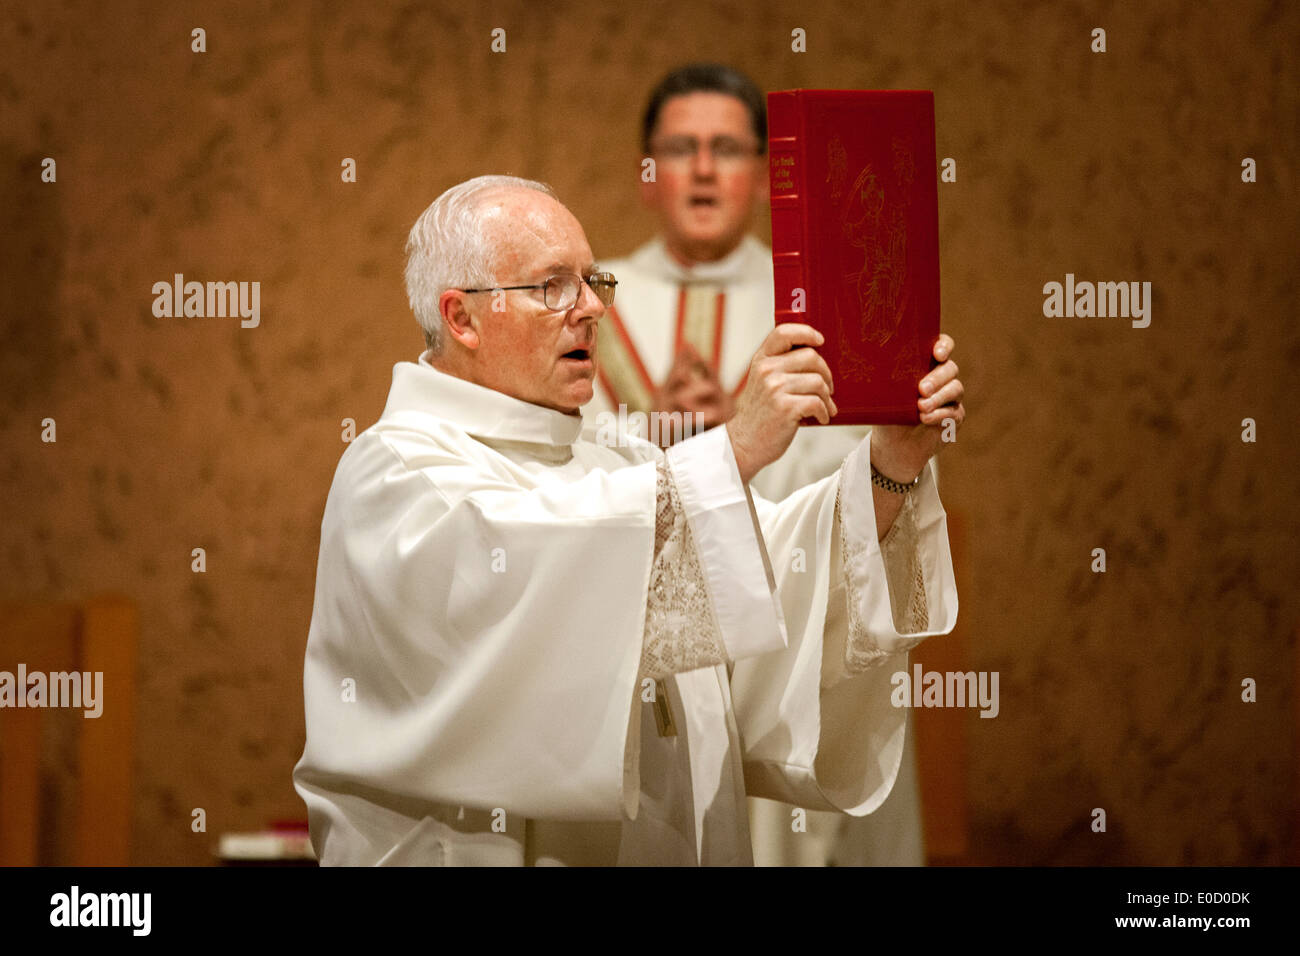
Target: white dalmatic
x,y
495,593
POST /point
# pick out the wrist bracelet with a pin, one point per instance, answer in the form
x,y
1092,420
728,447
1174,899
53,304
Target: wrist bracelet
x,y
897,487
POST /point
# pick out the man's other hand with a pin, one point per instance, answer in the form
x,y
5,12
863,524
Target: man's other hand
x,y
901,451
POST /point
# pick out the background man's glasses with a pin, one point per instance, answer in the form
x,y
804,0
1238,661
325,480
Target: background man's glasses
x,y
723,149
560,292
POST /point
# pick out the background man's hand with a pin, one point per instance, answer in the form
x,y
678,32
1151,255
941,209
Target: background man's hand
x,y
901,451
691,386
785,385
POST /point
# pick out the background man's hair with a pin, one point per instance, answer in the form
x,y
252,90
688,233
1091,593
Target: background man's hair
x,y
448,248
706,78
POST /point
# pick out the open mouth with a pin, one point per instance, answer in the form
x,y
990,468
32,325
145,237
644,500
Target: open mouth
x,y
578,355
703,202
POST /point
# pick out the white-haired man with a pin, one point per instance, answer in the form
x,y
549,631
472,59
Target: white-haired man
x,y
530,648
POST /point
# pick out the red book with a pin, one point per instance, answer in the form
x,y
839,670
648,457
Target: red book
x,y
855,226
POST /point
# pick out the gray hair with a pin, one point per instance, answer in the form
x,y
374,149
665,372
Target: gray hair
x,y
448,248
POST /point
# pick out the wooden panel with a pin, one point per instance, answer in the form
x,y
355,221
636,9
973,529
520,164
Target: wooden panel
x,y
20,767
99,636
1295,760
941,731
41,637
108,644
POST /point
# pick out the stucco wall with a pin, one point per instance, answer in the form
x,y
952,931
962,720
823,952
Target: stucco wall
x,y
1119,690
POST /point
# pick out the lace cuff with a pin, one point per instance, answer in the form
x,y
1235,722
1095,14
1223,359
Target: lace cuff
x,y
681,633
906,583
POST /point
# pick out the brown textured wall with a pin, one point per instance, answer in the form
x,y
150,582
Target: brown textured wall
x,y
1118,690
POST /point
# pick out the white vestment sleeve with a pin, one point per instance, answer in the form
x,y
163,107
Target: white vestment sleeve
x,y
819,727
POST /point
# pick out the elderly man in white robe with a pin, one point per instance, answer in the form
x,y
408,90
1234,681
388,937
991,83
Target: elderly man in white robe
x,y
530,648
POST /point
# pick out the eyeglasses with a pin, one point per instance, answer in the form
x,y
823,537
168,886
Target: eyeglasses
x,y
724,149
560,292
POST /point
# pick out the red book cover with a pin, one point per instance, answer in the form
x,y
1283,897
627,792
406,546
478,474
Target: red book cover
x,y
855,228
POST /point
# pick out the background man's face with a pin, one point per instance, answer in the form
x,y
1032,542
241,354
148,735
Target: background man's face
x,y
529,351
704,200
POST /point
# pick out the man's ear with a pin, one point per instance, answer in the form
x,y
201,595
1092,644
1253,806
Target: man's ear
x,y
457,320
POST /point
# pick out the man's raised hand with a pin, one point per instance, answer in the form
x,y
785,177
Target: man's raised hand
x,y
786,384
901,451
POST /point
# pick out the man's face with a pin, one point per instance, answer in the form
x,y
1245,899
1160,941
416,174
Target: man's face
x,y
527,350
704,196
